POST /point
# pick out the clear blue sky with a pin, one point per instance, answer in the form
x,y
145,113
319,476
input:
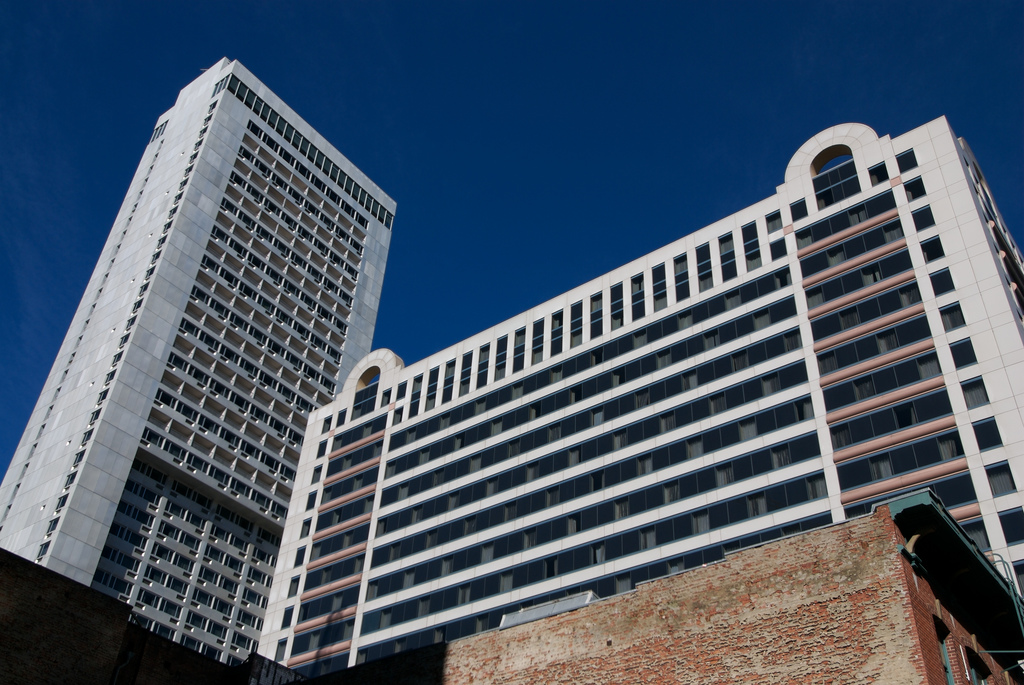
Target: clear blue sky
x,y
530,146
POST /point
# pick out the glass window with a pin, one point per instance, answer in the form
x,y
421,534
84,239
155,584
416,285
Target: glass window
x,y
751,246
1012,522
636,285
942,282
682,278
987,433
974,393
659,287
705,278
774,221
596,315
727,253
952,317
576,324
1000,479
617,318
923,218
798,209
932,249
906,161
963,353
878,173
778,249
914,188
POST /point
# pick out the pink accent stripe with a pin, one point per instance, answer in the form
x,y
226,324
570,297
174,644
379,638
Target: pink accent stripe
x,y
852,264
319,654
877,362
356,445
882,400
324,620
861,294
893,439
328,532
868,327
362,466
330,587
968,511
355,494
331,558
905,481
846,233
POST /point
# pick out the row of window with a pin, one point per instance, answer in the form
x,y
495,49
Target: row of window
x,y
690,379
882,381
580,421
732,433
667,530
874,345
866,276
680,351
679,321
701,481
862,243
891,419
604,586
308,150
865,311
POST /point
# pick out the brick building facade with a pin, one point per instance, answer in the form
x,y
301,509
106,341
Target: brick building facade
x,y
897,596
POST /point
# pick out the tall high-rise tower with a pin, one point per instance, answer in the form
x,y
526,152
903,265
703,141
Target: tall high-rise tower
x,y
238,286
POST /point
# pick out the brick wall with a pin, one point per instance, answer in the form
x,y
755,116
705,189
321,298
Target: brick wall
x,y
828,606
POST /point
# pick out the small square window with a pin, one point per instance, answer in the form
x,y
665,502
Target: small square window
x,y
963,353
798,209
923,218
932,249
778,249
1000,479
774,221
952,317
282,647
1012,522
914,188
293,586
987,433
878,173
300,556
974,392
906,161
310,500
942,282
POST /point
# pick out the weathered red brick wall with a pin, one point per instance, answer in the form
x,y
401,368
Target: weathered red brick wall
x,y
829,606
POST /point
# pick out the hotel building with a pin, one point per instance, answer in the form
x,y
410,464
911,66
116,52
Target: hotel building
x,y
237,289
852,336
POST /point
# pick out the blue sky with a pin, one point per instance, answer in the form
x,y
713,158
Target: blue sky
x,y
531,146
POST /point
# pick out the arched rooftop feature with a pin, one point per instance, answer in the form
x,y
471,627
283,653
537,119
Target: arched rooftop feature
x,y
833,142
381,363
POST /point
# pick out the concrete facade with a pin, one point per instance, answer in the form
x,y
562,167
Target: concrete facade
x,y
850,337
239,284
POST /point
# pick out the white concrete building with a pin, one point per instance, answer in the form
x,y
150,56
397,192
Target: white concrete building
x,y
239,285
852,336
